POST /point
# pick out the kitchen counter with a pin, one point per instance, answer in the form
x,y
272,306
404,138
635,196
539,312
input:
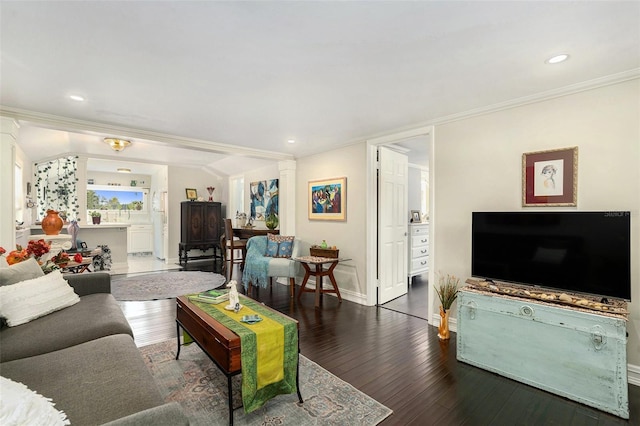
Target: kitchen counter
x,y
106,225
112,234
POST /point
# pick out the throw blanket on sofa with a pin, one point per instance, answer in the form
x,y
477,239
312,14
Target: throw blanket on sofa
x,y
269,350
256,265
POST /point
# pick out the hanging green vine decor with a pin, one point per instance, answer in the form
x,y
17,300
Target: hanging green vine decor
x,y
57,187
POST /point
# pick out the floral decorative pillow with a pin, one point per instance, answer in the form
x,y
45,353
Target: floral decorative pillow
x,y
272,246
284,245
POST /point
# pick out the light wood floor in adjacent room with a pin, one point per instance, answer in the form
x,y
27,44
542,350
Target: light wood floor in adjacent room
x,y
398,360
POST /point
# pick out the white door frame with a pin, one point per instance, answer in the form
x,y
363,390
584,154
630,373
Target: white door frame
x,y
372,211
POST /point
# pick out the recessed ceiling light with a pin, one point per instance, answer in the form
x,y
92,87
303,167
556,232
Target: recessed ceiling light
x,y
557,59
123,170
76,98
291,141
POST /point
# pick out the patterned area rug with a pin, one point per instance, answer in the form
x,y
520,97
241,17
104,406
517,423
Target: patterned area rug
x,y
201,388
164,285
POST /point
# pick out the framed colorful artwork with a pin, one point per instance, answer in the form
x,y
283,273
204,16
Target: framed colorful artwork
x,y
264,198
328,199
550,178
192,194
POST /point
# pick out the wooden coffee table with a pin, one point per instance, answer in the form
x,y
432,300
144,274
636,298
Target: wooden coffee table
x,y
219,343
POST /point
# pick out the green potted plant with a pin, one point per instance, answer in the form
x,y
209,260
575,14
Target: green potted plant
x,y
95,217
447,290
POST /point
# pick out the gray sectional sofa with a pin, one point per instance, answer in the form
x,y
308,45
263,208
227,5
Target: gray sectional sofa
x,y
84,358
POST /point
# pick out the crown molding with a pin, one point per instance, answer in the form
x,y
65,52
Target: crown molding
x,y
402,132
543,96
75,125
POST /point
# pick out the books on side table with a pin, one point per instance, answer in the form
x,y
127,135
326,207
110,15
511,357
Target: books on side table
x,y
211,296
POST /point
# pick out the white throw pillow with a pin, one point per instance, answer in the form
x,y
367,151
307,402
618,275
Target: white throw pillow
x,y
22,406
22,271
31,299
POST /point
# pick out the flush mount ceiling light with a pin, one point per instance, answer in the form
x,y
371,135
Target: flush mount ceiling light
x,y
123,170
117,144
291,141
556,59
76,98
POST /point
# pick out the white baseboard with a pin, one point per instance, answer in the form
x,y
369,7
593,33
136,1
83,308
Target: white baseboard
x,y
633,374
352,296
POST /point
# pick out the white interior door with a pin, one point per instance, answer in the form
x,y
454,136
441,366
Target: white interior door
x,y
392,224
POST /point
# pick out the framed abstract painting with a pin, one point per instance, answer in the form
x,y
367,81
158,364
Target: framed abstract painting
x,y
264,198
328,199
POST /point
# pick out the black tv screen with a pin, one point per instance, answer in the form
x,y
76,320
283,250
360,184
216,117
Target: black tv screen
x,y
585,252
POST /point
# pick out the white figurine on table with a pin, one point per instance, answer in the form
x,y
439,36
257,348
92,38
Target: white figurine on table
x,y
234,299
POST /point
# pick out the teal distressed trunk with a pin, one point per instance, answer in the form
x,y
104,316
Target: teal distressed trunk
x,y
578,355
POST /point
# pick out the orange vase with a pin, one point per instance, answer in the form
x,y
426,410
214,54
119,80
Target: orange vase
x,y
443,328
52,223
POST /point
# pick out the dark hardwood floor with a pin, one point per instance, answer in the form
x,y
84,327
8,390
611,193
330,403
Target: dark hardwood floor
x,y
398,360
416,301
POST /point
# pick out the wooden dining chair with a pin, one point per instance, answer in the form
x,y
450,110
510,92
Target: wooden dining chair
x,y
229,246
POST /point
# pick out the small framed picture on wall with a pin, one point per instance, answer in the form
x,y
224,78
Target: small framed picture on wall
x,y
550,178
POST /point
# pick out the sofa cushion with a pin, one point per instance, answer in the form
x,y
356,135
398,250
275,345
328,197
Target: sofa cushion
x,y
22,271
21,406
94,382
282,267
95,282
27,300
97,315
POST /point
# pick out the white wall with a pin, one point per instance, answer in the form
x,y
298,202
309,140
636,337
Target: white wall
x,y
477,167
348,236
415,191
8,134
180,178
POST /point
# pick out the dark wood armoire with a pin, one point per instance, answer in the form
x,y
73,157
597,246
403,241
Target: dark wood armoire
x,y
200,228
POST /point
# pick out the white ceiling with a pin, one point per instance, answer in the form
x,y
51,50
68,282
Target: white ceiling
x,y
185,80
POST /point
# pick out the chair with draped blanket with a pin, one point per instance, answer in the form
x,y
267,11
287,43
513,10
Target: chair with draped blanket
x,y
260,267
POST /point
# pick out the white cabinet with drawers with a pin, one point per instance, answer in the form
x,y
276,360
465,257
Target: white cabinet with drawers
x,y
418,249
140,239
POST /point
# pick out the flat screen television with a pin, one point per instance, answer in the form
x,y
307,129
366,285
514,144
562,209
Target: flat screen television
x,y
585,252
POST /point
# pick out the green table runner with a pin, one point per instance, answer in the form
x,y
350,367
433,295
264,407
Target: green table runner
x,y
269,350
